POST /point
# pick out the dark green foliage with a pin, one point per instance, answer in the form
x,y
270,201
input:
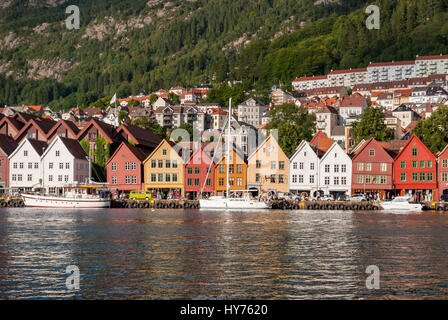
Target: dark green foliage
x,y
433,131
154,127
372,125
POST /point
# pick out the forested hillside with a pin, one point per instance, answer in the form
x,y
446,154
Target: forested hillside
x,y
133,45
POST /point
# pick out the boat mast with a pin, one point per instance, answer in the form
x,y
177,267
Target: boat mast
x,y
228,148
90,167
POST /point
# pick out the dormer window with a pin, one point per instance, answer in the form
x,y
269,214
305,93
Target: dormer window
x,y
58,153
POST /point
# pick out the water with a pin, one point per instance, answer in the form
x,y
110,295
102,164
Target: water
x,y
191,254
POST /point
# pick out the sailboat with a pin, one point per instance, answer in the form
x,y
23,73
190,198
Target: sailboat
x,y
227,202
73,196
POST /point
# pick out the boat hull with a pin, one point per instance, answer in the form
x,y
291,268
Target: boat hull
x,y
64,202
398,207
236,204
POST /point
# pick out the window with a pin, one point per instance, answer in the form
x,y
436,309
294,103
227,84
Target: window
x,y
239,168
422,163
153,163
336,168
403,166
222,168
231,181
344,181
174,164
429,164
167,163
300,178
60,178
25,153
414,177
258,164
114,166
343,168
67,165
14,177
196,182
1,162
294,165
19,177
14,165
327,180
336,181
368,179
221,182
133,166
231,168
383,167
30,177
66,178
208,182
414,152
50,178
167,177
444,176
312,166
160,163
444,163
311,179
294,178
190,170
327,168
383,179
301,165
360,179
153,177
429,177
272,178
50,165
164,152
372,152
58,153
30,165
160,177
61,165
414,164
257,177
127,179
21,165
360,166
189,182
281,165
273,165
114,180
422,176
174,177
281,178
368,166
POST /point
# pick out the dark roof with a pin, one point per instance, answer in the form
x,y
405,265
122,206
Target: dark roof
x,y
75,148
139,153
7,144
143,136
39,146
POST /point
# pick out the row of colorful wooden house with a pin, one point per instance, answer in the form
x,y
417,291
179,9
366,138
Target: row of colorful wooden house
x,y
320,166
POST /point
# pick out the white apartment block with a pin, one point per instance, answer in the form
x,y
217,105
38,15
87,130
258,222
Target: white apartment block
x,y
308,83
428,65
25,172
347,78
390,71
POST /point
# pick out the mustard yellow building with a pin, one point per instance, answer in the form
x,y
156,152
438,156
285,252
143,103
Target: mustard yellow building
x,y
268,168
164,172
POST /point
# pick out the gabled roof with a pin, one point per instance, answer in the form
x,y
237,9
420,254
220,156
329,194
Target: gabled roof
x,y
301,145
42,125
413,137
355,100
140,135
170,144
335,145
106,130
137,152
200,150
261,145
366,144
321,141
69,125
16,124
72,145
7,144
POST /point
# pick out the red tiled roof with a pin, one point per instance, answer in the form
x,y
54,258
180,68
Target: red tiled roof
x,y
310,78
348,71
321,141
434,57
392,63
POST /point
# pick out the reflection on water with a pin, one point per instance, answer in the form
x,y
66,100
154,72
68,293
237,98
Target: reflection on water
x,y
150,254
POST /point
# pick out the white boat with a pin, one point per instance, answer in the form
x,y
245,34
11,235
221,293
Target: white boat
x,y
220,202
76,197
401,203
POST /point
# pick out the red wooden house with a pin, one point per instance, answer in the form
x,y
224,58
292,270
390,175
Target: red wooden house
x,y
442,171
125,169
64,129
415,171
199,175
7,146
372,170
36,129
10,126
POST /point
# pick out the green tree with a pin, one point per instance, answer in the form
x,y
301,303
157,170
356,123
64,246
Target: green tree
x,y
152,126
293,125
174,98
433,131
153,98
371,125
123,117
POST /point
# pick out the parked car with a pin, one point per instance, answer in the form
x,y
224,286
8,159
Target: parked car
x,y
288,196
326,197
358,197
140,195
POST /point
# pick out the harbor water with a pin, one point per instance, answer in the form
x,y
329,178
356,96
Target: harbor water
x,y
195,254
